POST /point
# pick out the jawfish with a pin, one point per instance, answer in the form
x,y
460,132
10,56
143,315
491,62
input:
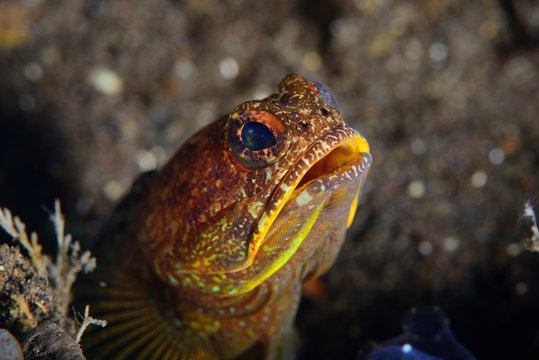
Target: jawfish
x,y
209,253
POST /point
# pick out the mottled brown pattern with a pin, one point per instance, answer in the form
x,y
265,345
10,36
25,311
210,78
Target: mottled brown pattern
x,y
225,235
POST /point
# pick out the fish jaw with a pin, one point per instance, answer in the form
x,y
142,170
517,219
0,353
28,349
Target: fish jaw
x,y
315,202
320,205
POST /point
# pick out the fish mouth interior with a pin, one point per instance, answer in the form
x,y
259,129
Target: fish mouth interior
x,y
340,158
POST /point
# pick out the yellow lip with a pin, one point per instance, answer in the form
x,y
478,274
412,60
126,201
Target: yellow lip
x,y
341,149
334,165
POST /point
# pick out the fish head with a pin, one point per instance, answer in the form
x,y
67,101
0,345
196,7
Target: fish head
x,y
274,182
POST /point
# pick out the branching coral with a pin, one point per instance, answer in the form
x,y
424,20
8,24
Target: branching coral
x,y
36,288
69,261
17,230
87,320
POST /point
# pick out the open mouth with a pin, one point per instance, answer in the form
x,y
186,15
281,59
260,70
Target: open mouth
x,y
326,179
342,152
336,152
346,154
335,165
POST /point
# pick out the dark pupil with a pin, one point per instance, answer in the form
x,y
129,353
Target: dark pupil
x,y
257,136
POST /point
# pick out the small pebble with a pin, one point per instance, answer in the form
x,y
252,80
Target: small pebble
x,y
311,61
419,147
229,68
50,56
9,347
489,29
33,72
106,81
83,205
479,179
397,26
185,70
160,154
521,288
113,190
425,248
414,50
438,52
416,189
513,249
496,156
451,244
146,160
26,102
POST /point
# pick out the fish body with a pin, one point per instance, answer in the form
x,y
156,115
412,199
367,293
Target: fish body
x,y
211,250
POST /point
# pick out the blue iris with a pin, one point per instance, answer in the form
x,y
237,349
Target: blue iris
x,y
257,136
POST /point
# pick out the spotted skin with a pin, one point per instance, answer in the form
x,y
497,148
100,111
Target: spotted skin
x,y
212,250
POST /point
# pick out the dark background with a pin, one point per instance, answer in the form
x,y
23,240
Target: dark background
x,y
447,92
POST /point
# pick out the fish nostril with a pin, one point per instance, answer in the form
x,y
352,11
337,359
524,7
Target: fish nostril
x,y
326,94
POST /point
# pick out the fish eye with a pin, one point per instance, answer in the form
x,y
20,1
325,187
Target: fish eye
x,y
256,138
326,94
